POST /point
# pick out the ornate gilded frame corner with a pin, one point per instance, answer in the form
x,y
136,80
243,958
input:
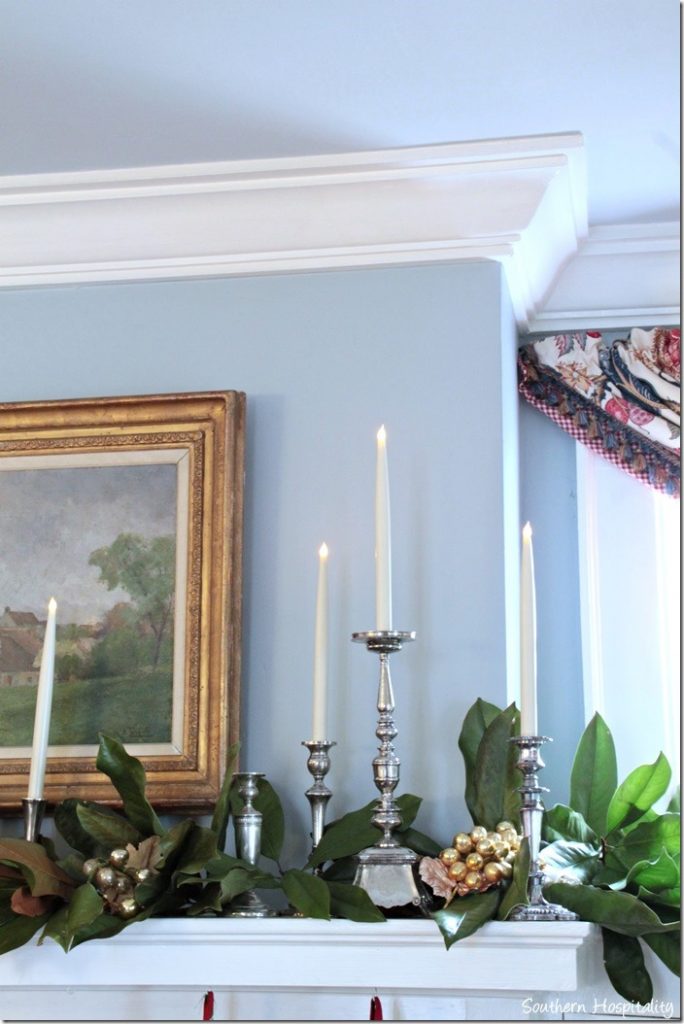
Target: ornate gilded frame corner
x,y
210,426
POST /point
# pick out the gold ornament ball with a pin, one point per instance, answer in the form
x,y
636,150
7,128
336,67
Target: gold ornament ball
x,y
504,826
118,858
506,868
105,878
142,875
494,836
449,856
493,872
478,833
463,842
123,883
474,861
128,907
472,879
510,836
501,850
90,867
458,871
485,848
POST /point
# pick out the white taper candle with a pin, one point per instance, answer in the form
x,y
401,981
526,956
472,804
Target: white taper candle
x,y
320,680
41,726
528,638
383,538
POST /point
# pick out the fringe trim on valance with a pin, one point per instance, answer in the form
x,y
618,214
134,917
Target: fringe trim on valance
x,y
612,398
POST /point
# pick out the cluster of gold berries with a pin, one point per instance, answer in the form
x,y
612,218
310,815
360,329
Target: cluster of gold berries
x,y
115,880
480,859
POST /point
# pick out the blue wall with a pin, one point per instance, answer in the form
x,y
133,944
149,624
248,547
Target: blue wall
x,y
325,359
548,499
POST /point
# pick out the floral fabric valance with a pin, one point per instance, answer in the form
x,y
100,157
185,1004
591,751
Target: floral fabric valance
x,y
620,398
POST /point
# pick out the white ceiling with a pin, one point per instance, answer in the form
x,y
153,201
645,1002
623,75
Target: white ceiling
x,y
91,84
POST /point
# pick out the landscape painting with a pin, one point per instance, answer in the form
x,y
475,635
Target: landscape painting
x,y
102,540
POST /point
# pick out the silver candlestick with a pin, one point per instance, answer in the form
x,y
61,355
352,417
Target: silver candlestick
x,y
530,764
34,810
385,870
318,795
248,843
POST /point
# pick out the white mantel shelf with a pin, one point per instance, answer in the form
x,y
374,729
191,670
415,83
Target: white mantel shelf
x,y
302,955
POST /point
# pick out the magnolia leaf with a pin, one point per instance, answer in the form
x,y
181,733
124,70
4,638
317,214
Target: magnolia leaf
x,y
420,843
354,831
655,875
199,849
146,854
516,893
648,839
594,774
577,861
219,821
675,803
353,903
19,929
107,925
561,822
342,870
662,897
667,947
496,778
108,829
44,877
479,716
307,893
273,824
22,902
128,777
236,882
435,873
619,911
465,915
85,906
624,962
638,793
172,843
68,825
209,900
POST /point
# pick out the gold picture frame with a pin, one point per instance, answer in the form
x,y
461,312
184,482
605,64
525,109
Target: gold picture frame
x,y
121,461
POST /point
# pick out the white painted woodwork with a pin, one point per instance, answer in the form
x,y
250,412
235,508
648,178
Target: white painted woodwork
x,y
521,201
297,969
622,276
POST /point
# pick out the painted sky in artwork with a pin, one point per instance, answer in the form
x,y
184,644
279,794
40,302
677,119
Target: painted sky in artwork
x,y
52,519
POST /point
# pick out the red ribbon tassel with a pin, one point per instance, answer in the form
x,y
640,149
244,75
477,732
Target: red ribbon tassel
x,y
375,1009
208,1008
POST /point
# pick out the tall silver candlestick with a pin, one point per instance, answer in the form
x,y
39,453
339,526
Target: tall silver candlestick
x,y
34,809
385,870
530,764
318,795
248,843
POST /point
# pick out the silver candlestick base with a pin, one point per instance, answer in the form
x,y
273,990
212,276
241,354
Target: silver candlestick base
x,y
248,843
318,795
530,764
33,818
385,870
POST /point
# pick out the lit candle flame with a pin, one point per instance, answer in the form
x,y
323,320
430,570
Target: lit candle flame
x,y
527,532
323,550
52,605
382,435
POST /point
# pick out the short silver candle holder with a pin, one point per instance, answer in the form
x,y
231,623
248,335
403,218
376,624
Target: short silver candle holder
x,y
34,810
385,870
530,764
248,844
318,795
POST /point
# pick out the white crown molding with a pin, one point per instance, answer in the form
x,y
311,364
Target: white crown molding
x,y
520,201
622,276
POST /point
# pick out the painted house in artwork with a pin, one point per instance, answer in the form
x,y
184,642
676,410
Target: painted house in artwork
x,y
19,657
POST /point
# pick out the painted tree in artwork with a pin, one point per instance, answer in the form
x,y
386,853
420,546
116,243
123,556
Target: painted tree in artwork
x,y
145,568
